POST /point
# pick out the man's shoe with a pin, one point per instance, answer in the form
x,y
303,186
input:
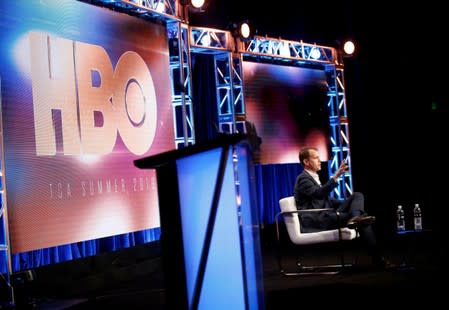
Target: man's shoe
x,y
360,220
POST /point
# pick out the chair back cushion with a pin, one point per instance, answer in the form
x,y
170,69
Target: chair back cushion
x,y
291,220
293,227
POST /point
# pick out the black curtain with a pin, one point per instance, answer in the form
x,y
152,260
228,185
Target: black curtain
x,y
204,98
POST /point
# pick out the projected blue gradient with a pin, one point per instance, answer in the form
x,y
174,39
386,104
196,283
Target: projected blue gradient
x,y
223,286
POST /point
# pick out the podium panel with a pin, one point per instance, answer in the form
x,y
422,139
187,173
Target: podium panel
x,y
209,227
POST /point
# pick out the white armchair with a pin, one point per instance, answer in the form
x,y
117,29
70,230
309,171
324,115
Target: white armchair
x,y
289,212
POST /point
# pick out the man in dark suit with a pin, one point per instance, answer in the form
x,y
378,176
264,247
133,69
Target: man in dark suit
x,y
310,194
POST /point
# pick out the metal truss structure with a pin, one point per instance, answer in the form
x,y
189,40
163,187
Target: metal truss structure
x,y
327,58
229,53
180,73
338,120
228,75
296,53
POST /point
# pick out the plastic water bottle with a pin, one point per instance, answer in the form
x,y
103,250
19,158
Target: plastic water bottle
x,y
417,217
400,219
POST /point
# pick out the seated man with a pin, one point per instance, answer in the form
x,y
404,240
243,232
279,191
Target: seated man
x,y
310,194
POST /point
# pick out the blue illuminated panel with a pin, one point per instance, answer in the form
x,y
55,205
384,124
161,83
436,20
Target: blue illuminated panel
x,y
249,225
223,286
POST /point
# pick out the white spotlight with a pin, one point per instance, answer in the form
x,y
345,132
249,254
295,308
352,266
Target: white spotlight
x,y
245,30
349,48
197,3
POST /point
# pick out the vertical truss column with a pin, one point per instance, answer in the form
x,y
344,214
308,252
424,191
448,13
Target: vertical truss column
x,y
225,96
229,90
237,91
227,73
180,73
338,119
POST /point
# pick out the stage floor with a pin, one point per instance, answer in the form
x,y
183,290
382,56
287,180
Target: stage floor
x,y
133,278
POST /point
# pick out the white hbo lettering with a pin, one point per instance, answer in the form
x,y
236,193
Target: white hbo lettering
x,y
62,79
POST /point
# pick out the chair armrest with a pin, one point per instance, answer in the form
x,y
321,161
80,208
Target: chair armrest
x,y
306,211
311,211
316,210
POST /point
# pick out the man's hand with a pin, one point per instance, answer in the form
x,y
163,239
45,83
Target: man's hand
x,y
341,170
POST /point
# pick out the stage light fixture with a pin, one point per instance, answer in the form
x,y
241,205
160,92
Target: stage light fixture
x,y
242,30
197,3
245,30
349,48
192,6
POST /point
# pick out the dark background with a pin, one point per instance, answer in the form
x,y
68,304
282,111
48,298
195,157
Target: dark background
x,y
396,91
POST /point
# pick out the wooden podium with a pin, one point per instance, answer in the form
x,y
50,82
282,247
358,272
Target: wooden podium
x,y
209,225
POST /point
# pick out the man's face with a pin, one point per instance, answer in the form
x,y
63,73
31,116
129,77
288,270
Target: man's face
x,y
313,163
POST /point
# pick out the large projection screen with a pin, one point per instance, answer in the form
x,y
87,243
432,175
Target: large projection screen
x,y
288,106
84,92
